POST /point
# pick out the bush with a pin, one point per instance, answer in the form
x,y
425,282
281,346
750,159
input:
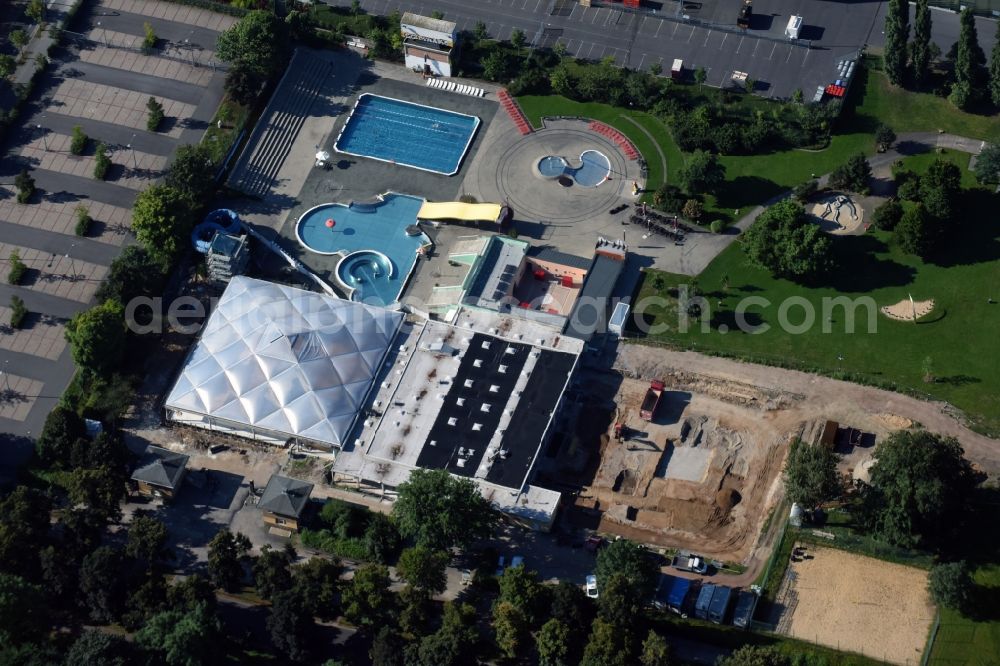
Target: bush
x,y
17,268
17,312
669,198
717,226
149,38
101,161
951,585
155,114
888,215
803,191
350,548
25,185
243,84
83,220
78,144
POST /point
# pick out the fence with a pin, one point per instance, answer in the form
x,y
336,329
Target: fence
x,y
931,637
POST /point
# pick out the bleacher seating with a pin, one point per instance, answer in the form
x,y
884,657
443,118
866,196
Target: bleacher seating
x,y
623,142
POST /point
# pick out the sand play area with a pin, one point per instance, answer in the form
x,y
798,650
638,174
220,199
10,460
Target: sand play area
x,y
859,604
904,309
837,214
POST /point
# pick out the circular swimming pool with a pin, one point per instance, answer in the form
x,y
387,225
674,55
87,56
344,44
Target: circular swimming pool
x,y
594,168
366,273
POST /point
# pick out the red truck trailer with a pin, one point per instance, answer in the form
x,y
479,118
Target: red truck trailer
x,y
652,399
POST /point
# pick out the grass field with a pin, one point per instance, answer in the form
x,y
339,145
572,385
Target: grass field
x,y
963,641
958,336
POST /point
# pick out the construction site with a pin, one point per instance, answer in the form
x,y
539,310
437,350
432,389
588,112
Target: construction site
x,y
678,460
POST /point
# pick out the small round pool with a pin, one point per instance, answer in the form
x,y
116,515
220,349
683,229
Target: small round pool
x,y
552,166
367,274
594,168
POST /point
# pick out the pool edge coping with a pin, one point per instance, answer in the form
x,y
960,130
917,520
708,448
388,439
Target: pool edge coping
x,y
461,159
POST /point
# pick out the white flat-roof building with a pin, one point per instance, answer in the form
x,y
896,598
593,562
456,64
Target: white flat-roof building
x,y
478,404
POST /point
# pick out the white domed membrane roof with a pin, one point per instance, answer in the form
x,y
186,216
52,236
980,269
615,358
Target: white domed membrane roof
x,y
285,360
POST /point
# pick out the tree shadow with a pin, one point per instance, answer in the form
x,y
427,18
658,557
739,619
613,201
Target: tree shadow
x,y
978,241
745,191
858,269
958,380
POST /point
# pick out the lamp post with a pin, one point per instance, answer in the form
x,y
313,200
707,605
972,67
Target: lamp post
x,y
71,263
45,143
104,35
135,165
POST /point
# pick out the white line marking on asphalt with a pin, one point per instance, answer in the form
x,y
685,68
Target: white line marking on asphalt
x,y
641,60
596,14
772,52
592,45
658,28
756,46
691,35
706,37
740,45
524,5
724,35
537,5
676,25
790,51
805,57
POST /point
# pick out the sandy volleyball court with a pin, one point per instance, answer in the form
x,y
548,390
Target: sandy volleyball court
x,y
859,604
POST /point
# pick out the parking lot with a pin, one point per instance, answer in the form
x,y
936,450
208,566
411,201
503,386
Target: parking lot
x,y
702,34
100,82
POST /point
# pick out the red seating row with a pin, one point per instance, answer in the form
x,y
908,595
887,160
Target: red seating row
x,y
512,108
627,147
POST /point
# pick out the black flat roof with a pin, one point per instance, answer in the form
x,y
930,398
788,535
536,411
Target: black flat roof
x,y
546,253
530,418
463,425
463,429
597,288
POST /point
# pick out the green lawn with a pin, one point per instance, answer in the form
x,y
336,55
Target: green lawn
x,y
907,111
958,336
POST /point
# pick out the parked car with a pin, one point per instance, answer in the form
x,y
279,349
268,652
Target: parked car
x,y
501,565
591,586
466,577
517,561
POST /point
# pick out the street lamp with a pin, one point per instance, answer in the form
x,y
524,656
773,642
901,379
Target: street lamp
x,y
104,35
71,263
129,146
44,142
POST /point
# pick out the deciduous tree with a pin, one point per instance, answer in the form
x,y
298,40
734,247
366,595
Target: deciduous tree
x,y
162,219
440,511
916,231
994,71
192,172
784,242
317,582
608,645
631,561
226,553
183,637
147,540
853,175
655,651
702,172
755,655
510,625
919,489
367,599
255,42
272,570
951,585
884,138
888,215
387,648
424,568
553,644
97,338
290,624
102,584
811,475
97,648
382,538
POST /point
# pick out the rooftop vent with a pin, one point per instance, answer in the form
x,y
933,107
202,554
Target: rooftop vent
x,y
478,363
494,388
468,383
503,369
477,426
485,407
452,421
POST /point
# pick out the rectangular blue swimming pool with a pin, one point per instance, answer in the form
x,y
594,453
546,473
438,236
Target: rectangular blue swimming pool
x,y
413,135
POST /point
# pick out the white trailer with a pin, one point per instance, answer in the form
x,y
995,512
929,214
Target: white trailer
x,y
794,27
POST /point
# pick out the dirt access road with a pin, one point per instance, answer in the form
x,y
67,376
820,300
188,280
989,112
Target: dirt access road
x,y
865,407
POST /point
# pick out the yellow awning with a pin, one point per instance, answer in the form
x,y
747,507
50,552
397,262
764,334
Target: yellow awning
x,y
456,210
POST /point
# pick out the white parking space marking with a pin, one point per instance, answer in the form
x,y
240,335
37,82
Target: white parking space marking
x,y
658,28
756,46
573,11
740,45
596,15
723,40
691,35
537,5
592,45
707,37
641,60
772,52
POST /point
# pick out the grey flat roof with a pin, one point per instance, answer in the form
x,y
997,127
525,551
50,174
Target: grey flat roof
x,y
496,271
428,23
160,467
285,496
597,288
548,253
